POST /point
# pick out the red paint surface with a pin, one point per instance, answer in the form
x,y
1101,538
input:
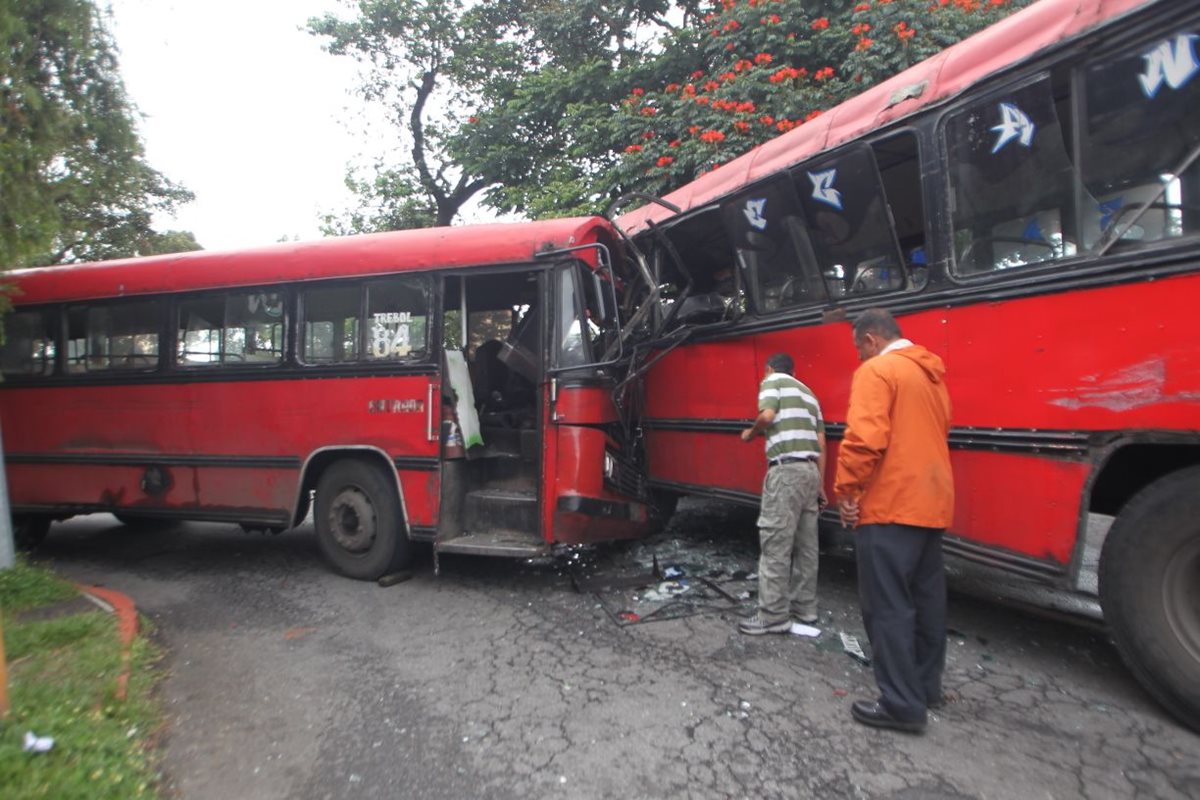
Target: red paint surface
x,y
1110,359
585,405
287,418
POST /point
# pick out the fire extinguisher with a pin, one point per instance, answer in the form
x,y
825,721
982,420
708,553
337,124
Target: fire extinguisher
x,y
452,440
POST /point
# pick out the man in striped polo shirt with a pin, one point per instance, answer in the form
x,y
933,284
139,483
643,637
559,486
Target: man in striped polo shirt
x,y
793,492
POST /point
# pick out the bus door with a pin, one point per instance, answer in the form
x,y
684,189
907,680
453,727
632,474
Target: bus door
x,y
493,413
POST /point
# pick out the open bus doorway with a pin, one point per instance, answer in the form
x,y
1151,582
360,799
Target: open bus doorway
x,y
492,414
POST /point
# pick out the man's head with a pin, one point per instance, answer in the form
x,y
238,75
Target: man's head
x,y
780,362
874,329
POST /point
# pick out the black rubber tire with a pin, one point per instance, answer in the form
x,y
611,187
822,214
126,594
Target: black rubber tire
x,y
1150,590
663,505
29,530
139,524
359,522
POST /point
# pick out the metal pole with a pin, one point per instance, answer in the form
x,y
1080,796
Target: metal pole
x,y
8,556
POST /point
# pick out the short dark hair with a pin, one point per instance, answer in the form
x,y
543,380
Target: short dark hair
x,y
781,362
878,321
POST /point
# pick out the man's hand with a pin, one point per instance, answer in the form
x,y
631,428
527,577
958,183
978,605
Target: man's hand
x,y
848,510
747,434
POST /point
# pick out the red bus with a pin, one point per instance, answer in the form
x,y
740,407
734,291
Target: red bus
x,y
1027,203
449,385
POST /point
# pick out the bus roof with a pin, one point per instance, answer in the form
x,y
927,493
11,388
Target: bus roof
x,y
939,77
425,248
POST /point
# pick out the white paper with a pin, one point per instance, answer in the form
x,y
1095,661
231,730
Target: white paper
x,y
799,629
37,744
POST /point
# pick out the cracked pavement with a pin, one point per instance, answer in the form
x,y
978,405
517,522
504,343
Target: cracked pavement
x,y
497,679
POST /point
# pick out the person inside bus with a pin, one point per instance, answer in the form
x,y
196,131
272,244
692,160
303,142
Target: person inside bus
x,y
895,488
792,495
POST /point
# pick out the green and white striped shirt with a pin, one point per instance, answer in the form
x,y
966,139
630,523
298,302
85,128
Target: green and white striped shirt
x,y
797,416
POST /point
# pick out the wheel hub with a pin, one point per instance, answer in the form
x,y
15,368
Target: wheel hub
x,y
352,521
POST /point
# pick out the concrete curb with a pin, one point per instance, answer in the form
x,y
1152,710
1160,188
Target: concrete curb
x,y
126,613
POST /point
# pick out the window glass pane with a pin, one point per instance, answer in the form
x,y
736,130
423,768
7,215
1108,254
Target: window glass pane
x,y
254,326
331,324
1141,126
1012,182
571,349
29,343
397,317
200,323
114,336
849,225
768,234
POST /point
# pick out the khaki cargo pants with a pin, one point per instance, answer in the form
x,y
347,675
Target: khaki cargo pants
x,y
787,531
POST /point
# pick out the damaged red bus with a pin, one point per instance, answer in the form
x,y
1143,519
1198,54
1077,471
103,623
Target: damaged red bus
x,y
448,385
1027,203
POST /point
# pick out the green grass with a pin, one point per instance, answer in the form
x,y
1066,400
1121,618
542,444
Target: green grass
x,y
62,676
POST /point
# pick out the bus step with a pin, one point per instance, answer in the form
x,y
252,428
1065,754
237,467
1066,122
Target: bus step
x,y
502,509
513,544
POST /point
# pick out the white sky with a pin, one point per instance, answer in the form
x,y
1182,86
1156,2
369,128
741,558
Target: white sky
x,y
243,108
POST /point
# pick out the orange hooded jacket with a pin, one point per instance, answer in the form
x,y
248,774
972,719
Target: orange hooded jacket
x,y
894,458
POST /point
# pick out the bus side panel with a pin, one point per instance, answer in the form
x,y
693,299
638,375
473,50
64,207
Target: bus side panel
x,y
712,459
1020,502
586,508
1100,359
707,381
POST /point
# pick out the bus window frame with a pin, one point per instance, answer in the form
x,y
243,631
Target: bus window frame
x,y
56,323
433,318
284,290
165,338
1005,84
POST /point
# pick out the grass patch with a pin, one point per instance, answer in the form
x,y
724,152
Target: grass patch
x,y
25,586
63,676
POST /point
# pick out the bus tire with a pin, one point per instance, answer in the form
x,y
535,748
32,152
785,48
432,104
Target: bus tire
x,y
359,522
29,530
1148,589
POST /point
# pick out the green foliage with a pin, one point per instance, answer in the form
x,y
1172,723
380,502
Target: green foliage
x,y
23,586
764,67
63,676
74,184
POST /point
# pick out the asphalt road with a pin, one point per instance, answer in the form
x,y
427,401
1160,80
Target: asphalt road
x,y
501,679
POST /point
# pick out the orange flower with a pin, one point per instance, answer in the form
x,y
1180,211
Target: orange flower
x,y
727,76
860,29
664,161
863,44
711,86
742,126
649,111
823,74
863,7
633,148
472,120
820,24
762,58
638,91
813,115
698,74
672,87
647,134
674,143
767,119
713,137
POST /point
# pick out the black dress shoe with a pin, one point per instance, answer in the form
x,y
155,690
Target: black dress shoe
x,y
875,715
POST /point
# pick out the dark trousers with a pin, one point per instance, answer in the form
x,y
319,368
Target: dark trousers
x,y
902,589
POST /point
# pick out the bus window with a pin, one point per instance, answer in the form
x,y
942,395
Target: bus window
x,y
900,170
397,317
767,229
1012,182
114,336
1140,128
29,343
848,222
233,328
575,333
331,316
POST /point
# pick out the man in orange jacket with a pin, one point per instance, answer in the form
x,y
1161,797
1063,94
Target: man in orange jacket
x,y
894,484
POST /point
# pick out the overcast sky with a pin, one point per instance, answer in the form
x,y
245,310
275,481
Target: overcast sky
x,y
244,109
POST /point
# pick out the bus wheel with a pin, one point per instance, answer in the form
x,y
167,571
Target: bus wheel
x,y
1150,590
359,521
29,530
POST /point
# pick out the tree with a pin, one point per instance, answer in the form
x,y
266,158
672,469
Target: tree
x,y
74,184
407,50
764,67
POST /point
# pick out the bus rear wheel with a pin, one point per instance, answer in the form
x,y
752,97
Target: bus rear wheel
x,y
1150,590
359,522
29,530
